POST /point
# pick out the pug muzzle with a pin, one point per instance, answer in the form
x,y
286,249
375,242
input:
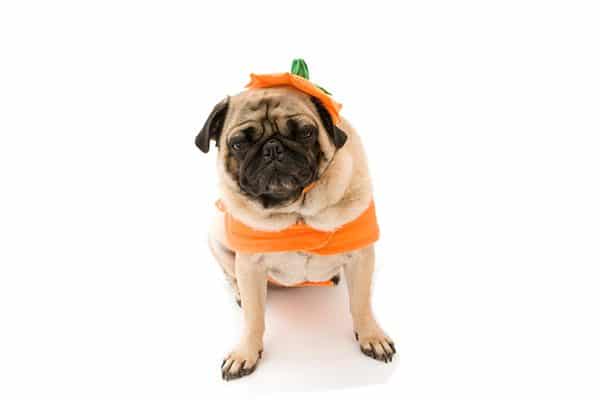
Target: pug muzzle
x,y
276,169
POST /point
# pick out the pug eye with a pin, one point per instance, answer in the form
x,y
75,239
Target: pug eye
x,y
237,145
307,132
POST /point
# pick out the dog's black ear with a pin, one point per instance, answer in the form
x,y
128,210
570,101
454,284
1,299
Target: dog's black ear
x,y
338,136
213,126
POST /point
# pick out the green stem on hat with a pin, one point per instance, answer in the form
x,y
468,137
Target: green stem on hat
x,y
300,68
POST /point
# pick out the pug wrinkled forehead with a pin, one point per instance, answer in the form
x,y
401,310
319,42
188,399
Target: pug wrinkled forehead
x,y
273,142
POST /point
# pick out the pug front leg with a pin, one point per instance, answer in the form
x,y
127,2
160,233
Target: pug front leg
x,y
252,282
373,341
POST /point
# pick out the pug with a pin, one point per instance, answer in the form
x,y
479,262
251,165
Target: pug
x,y
273,144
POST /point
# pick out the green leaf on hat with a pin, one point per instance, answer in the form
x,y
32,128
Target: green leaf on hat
x,y
300,68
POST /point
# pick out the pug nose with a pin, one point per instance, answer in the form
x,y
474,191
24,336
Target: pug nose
x,y
273,150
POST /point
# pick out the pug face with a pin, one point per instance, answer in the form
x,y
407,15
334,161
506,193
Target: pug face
x,y
273,142
274,164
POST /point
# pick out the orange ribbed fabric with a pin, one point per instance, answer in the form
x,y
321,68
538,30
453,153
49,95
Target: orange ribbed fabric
x,y
354,235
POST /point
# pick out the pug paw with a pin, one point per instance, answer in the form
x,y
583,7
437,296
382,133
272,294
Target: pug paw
x,y
240,362
376,345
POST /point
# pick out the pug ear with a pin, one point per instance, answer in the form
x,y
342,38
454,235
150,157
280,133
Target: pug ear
x,y
213,126
337,136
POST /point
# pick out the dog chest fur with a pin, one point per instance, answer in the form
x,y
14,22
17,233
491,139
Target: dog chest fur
x,y
292,268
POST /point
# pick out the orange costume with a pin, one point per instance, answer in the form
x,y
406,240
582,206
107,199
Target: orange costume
x,y
356,234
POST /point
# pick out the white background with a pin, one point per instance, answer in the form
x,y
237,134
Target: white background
x,y
482,124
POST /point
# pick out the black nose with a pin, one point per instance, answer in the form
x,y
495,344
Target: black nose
x,y
273,150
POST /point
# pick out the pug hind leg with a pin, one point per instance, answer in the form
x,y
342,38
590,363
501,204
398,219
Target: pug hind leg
x,y
226,259
372,339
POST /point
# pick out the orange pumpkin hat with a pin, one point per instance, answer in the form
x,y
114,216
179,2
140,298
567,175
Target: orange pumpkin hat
x,y
298,79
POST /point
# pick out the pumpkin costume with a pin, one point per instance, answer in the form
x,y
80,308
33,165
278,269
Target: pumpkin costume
x,y
356,234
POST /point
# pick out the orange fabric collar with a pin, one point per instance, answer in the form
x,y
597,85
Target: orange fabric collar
x,y
356,234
